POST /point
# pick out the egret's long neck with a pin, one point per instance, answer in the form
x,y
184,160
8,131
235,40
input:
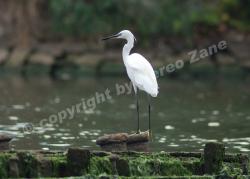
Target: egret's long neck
x,y
127,48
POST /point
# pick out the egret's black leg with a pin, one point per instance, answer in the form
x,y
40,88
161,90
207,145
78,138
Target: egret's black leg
x,y
137,109
149,113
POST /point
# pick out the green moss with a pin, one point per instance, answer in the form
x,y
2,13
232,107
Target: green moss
x,y
4,165
157,164
28,164
231,169
59,163
195,166
100,165
144,177
146,166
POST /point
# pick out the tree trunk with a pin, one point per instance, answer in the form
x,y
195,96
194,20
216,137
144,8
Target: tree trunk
x,y
21,21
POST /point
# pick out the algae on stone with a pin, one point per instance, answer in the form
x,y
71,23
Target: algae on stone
x,y
4,165
28,165
100,165
59,163
157,164
131,165
230,169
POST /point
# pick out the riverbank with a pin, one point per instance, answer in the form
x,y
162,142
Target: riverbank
x,y
99,164
56,59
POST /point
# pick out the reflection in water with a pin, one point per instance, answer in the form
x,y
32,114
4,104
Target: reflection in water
x,y
186,115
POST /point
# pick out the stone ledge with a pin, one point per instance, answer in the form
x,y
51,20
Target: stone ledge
x,y
83,162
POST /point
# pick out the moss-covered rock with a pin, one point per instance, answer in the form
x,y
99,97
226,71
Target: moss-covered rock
x,y
156,164
13,169
28,164
78,161
4,165
213,157
100,165
59,165
45,167
120,165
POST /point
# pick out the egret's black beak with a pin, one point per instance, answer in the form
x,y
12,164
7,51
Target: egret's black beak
x,y
111,37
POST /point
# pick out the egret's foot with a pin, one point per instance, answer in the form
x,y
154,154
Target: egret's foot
x,y
136,133
150,134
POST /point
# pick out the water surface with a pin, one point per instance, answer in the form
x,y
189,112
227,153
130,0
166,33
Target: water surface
x,y
186,114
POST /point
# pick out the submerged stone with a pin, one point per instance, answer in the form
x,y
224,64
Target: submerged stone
x,y
4,142
138,142
113,142
114,147
112,138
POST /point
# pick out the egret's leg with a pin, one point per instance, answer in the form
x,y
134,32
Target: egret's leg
x,y
137,109
149,113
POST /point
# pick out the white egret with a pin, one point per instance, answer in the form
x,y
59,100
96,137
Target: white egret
x,y
139,71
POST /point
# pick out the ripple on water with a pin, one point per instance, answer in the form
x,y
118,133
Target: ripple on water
x,y
173,145
202,112
242,149
55,144
132,106
90,133
239,143
68,138
193,138
80,125
41,130
169,127
13,118
213,124
195,120
89,111
215,112
64,130
46,136
37,109
248,118
162,140
236,139
59,145
18,106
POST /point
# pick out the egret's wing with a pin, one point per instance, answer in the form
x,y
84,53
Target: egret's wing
x,y
142,73
139,63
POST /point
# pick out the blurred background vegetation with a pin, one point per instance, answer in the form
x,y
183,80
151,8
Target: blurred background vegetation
x,y
89,19
79,18
149,19
169,27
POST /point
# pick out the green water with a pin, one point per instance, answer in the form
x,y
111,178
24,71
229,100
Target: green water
x,y
185,115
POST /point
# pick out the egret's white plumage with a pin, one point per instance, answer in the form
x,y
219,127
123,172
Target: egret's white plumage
x,y
141,74
139,70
